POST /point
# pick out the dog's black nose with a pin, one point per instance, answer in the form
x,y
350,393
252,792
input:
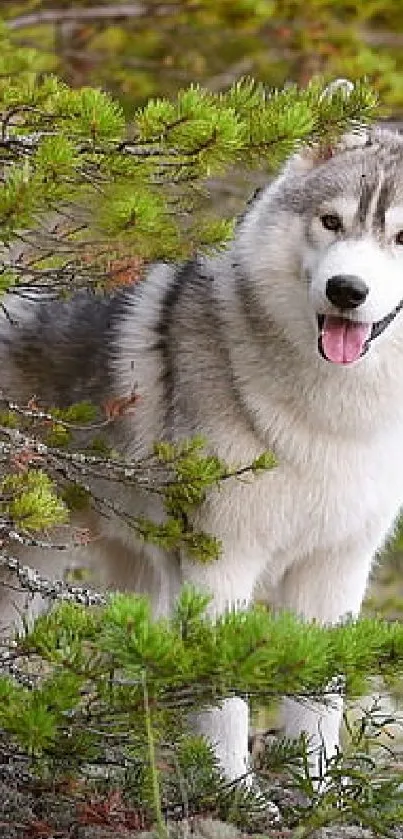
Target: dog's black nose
x,y
346,291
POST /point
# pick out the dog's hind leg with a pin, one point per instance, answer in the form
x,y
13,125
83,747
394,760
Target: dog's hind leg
x,y
20,603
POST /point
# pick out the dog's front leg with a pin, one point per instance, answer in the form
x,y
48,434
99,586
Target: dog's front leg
x,y
325,587
230,582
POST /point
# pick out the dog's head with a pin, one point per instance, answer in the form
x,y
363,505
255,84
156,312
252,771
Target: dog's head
x,y
331,227
353,243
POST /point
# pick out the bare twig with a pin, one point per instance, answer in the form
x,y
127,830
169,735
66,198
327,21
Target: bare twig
x,y
121,10
382,38
35,583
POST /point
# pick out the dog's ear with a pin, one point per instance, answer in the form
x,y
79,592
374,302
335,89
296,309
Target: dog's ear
x,y
352,139
312,155
339,85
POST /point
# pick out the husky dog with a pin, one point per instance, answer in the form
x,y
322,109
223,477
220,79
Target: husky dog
x,y
289,340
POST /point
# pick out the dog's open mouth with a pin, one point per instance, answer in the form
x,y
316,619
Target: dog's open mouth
x,y
343,341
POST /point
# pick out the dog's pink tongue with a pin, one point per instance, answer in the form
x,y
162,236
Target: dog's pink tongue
x,y
343,340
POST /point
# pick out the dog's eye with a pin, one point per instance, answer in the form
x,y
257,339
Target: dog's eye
x,y
332,222
399,237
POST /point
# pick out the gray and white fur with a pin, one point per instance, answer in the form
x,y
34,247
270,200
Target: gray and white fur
x,y
289,340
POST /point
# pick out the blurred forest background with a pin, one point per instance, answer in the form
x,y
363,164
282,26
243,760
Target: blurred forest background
x,y
138,50
141,50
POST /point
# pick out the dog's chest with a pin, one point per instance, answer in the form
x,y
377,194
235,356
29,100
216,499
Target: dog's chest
x,y
333,490
330,496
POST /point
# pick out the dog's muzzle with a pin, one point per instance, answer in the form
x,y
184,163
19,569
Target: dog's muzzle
x,y
343,341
